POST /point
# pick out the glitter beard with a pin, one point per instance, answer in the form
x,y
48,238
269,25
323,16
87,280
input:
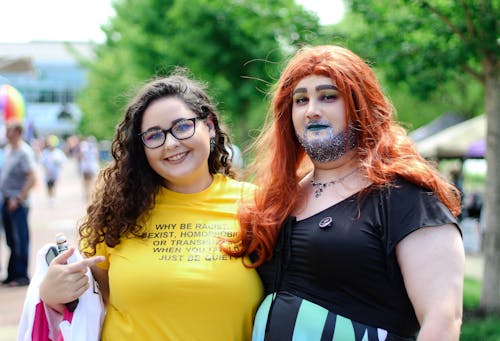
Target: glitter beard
x,y
327,148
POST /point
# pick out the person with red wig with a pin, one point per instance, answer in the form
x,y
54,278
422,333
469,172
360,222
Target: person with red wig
x,y
353,232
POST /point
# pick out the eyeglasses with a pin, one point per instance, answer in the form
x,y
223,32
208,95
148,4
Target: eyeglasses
x,y
181,130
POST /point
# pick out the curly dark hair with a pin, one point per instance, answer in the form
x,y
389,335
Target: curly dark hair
x,y
127,187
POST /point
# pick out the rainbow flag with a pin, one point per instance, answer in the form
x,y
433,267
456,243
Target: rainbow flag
x,y
12,106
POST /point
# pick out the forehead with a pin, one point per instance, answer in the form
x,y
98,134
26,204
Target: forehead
x,y
13,127
311,81
163,111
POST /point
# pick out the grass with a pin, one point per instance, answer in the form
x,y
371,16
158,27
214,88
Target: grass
x,y
476,325
472,293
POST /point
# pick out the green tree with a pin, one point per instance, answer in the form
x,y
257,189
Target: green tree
x,y
234,45
429,43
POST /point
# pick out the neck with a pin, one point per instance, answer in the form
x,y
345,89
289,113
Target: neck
x,y
15,143
334,170
188,186
320,186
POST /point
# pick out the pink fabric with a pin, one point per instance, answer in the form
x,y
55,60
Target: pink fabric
x,y
67,316
40,330
40,323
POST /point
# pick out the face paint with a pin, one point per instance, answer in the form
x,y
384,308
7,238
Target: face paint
x,y
327,146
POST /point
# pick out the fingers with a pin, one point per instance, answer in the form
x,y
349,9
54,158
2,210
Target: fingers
x,y
78,266
66,282
63,257
94,260
79,288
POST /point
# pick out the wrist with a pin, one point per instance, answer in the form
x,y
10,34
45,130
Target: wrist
x,y
58,308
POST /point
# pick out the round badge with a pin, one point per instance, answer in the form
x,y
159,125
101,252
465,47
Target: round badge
x,y
325,222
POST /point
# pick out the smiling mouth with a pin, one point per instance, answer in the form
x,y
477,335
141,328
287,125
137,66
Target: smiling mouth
x,y
176,157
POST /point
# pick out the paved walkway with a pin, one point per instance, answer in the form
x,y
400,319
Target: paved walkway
x,y
46,220
62,217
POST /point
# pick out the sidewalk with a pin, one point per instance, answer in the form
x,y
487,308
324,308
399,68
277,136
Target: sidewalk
x,y
62,217
45,222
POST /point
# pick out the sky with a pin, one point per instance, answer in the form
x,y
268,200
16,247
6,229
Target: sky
x,y
22,21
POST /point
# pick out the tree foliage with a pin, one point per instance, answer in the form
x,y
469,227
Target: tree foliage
x,y
231,44
428,46
426,43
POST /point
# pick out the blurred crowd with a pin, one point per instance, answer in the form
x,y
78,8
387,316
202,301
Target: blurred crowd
x,y
53,152
21,156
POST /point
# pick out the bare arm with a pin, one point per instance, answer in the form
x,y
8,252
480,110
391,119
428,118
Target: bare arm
x,y
101,276
28,185
63,282
432,263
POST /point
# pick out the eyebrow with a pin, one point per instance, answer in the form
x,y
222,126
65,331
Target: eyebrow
x,y
174,122
318,88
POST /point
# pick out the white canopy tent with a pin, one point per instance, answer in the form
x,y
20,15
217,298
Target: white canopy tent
x,y
453,142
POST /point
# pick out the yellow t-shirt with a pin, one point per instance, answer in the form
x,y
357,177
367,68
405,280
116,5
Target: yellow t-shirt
x,y
176,284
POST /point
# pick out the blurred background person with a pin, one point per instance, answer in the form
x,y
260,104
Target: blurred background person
x,y
52,159
16,181
89,163
72,146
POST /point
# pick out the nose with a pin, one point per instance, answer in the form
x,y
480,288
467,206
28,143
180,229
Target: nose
x,y
170,141
312,109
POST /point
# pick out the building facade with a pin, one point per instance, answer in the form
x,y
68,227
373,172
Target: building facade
x,y
49,77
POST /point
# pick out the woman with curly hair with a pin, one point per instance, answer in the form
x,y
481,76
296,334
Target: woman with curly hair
x,y
354,234
154,223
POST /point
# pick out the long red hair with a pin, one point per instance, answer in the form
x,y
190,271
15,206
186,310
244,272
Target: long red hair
x,y
382,146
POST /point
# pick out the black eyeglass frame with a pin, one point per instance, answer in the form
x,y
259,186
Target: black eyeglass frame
x,y
169,130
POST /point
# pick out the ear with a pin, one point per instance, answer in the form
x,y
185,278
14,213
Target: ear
x,y
211,125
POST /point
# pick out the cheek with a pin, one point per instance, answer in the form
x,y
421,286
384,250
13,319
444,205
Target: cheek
x,y
203,148
339,110
297,121
200,141
150,156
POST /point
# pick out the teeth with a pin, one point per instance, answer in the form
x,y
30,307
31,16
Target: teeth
x,y
176,157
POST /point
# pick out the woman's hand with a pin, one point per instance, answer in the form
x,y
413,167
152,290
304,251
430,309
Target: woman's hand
x,y
64,282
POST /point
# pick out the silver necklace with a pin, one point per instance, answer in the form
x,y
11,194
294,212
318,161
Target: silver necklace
x,y
320,186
